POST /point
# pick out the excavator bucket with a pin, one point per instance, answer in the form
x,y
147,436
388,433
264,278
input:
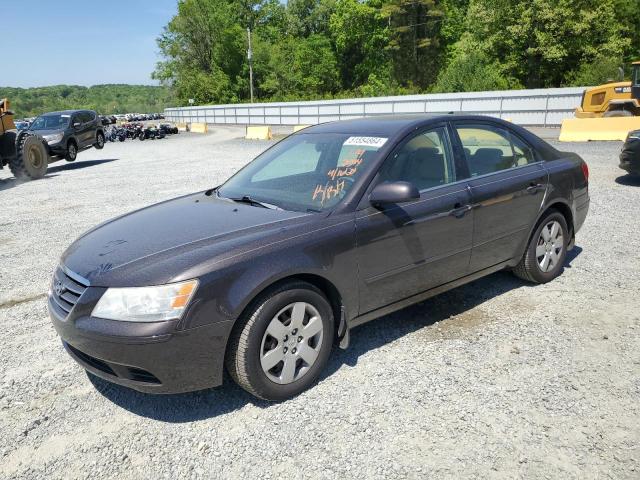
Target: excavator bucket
x,y
605,128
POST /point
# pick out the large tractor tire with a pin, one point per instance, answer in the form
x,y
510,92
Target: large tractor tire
x,y
618,113
31,159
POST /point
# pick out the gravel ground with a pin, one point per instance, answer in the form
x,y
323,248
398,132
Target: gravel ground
x,y
494,379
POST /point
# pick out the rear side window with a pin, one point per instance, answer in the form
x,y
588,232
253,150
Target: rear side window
x,y
425,160
490,149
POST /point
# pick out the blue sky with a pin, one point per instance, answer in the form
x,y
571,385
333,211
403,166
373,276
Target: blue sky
x,y
80,42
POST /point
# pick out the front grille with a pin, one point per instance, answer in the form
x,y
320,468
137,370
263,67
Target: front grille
x,y
66,291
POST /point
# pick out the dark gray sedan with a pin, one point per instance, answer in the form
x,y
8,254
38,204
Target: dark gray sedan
x,y
331,227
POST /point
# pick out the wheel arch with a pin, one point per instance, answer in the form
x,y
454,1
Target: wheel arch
x,y
321,283
565,210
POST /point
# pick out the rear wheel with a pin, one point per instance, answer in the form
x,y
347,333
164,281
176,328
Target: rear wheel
x,y
547,250
72,152
31,159
99,141
282,345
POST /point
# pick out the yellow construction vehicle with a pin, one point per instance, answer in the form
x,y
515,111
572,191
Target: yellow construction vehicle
x,y
24,152
607,112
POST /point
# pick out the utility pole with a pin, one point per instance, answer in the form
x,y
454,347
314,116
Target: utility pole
x,y
249,57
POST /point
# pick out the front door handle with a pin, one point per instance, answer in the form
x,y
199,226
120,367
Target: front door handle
x,y
459,210
534,187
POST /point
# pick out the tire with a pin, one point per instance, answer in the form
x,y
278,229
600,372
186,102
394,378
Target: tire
x,y
543,247
618,113
251,341
99,145
31,159
142,136
72,152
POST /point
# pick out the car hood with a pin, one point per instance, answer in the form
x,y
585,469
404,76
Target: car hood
x,y
42,133
157,244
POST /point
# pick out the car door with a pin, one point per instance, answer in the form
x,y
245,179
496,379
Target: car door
x,y
79,131
508,184
406,249
88,130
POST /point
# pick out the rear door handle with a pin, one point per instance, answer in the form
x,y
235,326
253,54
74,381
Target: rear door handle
x,y
534,187
459,210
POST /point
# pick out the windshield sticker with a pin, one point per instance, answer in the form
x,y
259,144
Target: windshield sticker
x,y
335,185
328,191
373,142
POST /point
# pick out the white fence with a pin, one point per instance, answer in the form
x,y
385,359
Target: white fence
x,y
541,107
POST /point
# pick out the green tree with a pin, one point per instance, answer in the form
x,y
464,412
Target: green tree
x,y
301,68
542,42
105,99
470,70
414,41
308,17
600,70
204,50
360,33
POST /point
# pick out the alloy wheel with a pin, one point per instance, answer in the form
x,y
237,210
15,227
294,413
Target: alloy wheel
x,y
291,343
550,245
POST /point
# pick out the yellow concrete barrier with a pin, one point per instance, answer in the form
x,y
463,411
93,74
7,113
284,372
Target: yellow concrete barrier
x,y
199,127
606,128
258,133
297,128
181,127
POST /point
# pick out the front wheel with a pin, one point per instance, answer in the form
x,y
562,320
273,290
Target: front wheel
x,y
31,158
283,343
72,152
547,250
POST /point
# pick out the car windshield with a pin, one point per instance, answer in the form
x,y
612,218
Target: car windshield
x,y
305,172
51,122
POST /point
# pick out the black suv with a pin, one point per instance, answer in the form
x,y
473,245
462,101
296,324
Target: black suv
x,y
69,132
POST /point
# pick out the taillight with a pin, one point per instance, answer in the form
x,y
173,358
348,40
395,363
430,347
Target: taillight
x,y
585,171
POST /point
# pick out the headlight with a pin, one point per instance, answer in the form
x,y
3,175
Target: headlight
x,y
145,304
53,138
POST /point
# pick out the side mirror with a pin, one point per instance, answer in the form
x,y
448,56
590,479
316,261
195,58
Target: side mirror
x,y
393,192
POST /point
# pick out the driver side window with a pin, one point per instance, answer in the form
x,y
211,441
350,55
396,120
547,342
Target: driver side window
x,y
425,161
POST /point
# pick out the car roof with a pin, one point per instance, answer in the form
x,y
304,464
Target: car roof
x,y
390,125
63,112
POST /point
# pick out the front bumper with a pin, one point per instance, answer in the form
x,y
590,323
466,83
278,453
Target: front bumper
x,y
151,357
57,149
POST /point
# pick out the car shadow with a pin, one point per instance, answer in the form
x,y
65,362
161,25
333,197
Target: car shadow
x,y
629,180
12,182
78,164
189,407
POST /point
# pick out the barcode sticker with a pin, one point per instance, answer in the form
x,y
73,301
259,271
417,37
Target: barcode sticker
x,y
373,142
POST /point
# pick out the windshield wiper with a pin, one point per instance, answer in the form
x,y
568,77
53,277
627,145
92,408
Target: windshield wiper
x,y
254,202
